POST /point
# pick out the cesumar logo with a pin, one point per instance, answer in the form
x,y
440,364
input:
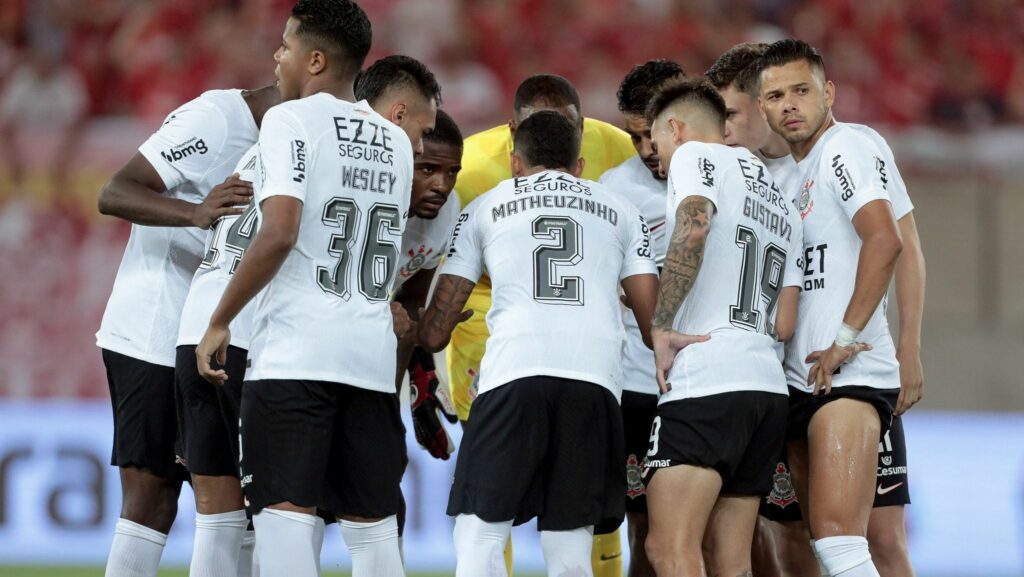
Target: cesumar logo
x,y
299,160
185,150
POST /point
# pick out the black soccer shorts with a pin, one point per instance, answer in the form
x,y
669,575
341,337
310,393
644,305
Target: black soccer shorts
x,y
638,411
208,414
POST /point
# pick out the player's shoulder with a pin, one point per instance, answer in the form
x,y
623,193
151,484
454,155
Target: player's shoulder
x,y
629,171
843,140
488,143
605,131
210,106
222,99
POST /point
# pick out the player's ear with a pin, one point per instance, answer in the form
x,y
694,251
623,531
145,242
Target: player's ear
x,y
517,164
678,129
317,62
581,163
830,93
512,128
399,112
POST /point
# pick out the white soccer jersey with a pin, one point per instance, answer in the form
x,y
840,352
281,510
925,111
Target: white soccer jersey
x,y
842,173
225,245
197,147
424,241
787,176
633,181
556,248
325,316
750,254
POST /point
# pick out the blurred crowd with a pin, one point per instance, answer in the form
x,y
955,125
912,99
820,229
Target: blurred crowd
x,y
953,63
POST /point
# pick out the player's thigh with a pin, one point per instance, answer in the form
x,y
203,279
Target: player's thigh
x,y
842,445
286,430
680,499
730,532
145,419
367,456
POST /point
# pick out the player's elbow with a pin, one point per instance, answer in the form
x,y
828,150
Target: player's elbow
x,y
106,202
887,245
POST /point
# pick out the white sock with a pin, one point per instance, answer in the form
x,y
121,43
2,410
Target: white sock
x,y
374,547
218,543
318,542
247,566
401,549
284,543
822,571
136,550
568,552
846,556
480,547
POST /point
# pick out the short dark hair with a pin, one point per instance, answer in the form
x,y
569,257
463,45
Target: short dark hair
x,y
737,68
789,50
696,91
394,72
548,89
445,131
547,139
639,86
339,28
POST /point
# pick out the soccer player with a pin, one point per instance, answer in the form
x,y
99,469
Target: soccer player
x,y
485,163
639,180
319,424
841,364
405,92
731,271
545,439
735,76
175,186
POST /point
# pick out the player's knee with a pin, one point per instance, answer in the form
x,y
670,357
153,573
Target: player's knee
x,y
888,544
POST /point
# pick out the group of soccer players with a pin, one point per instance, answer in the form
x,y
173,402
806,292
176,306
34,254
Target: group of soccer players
x,y
287,238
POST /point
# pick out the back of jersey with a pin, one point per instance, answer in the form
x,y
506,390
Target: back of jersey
x,y
750,254
555,248
326,316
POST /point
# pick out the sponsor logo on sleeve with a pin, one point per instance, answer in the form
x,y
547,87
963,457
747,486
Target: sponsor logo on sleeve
x,y
707,172
880,167
299,160
184,150
843,177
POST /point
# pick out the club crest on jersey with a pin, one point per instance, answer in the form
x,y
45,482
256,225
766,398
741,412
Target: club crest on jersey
x,y
806,204
782,493
418,258
634,478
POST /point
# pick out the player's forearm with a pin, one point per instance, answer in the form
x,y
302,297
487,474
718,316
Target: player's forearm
x,y
445,311
875,266
684,259
137,203
910,283
260,263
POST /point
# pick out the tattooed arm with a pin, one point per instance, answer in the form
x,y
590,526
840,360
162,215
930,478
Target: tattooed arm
x,y
682,263
445,311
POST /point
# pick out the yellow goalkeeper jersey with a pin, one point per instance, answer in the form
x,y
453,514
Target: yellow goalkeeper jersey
x,y
486,162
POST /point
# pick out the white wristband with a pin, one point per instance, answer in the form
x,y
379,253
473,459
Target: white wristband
x,y
846,336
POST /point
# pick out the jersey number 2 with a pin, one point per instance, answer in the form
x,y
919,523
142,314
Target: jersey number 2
x,y
379,257
548,287
757,299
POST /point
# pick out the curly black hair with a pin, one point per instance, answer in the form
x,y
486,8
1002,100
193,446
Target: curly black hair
x,y
396,71
737,68
697,91
548,139
338,28
643,81
445,131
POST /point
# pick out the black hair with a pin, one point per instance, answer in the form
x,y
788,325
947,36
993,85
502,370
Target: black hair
x,y
548,139
339,28
639,86
790,50
696,91
445,131
394,72
547,89
737,68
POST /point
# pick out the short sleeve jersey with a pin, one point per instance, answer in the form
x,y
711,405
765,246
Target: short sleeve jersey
x,y
197,147
842,173
425,241
750,254
326,316
225,245
556,249
633,181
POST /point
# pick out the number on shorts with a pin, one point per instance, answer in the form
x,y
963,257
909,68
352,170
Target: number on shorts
x,y
548,287
652,450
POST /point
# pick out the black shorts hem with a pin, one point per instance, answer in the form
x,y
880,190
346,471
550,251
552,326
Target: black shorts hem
x,y
208,414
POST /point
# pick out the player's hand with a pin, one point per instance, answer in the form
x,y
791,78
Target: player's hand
x,y
667,344
911,381
430,401
215,342
827,361
226,199
404,326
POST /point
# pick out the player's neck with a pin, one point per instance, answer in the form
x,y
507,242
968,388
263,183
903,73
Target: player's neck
x,y
800,150
340,89
538,169
261,100
777,147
